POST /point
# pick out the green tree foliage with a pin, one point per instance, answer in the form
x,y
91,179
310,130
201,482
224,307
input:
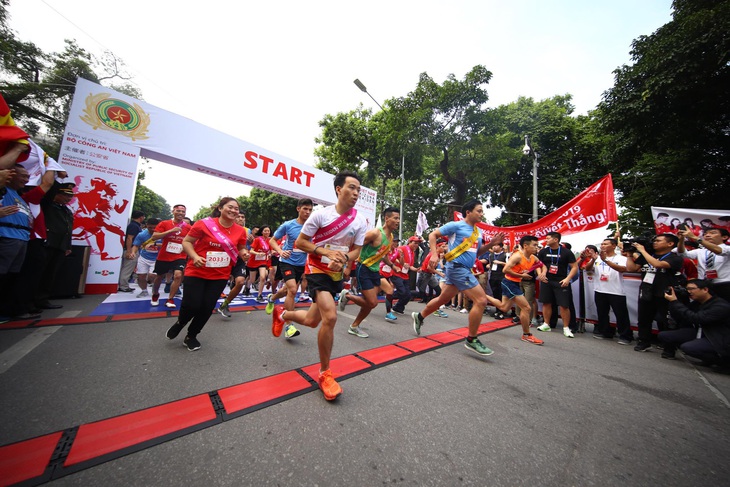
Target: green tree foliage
x,y
149,202
261,208
568,160
457,149
442,119
39,87
668,114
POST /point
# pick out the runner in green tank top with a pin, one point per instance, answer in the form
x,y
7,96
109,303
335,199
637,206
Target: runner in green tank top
x,y
375,248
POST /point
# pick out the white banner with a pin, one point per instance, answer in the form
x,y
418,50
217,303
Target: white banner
x,y
107,131
167,137
105,173
666,220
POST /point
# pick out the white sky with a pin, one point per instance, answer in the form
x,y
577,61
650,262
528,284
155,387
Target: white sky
x,y
267,72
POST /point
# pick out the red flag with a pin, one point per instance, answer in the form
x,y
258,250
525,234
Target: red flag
x,y
593,208
9,132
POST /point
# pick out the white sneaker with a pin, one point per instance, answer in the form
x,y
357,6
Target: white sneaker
x,y
357,332
343,300
143,294
463,311
567,332
544,327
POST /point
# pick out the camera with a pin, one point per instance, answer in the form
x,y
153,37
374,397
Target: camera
x,y
644,240
682,226
680,292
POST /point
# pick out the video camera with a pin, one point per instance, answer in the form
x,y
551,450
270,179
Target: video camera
x,y
644,240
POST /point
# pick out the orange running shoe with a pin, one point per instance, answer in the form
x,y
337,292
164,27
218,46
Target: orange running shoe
x,y
277,322
532,339
330,388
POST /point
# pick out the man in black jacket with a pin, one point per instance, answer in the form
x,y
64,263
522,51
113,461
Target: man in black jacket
x,y
705,332
59,224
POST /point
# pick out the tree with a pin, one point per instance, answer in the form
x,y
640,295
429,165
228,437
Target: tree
x,y
261,207
443,119
668,114
568,159
149,202
39,87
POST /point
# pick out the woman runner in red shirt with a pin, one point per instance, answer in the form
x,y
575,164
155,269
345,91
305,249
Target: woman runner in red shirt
x,y
212,246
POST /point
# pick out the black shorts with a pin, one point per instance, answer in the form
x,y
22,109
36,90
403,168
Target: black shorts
x,y
288,271
322,282
274,261
239,270
255,270
552,291
162,267
367,279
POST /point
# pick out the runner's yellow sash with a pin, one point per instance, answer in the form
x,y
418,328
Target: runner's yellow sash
x,y
463,246
376,257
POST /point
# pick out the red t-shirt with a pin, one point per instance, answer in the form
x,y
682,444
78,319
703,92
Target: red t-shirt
x,y
386,270
218,263
478,268
424,264
171,248
408,256
259,244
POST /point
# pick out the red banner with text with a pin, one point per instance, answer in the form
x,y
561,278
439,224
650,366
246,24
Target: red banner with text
x,y
592,209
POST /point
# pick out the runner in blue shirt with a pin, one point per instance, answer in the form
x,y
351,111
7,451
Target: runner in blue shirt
x,y
465,243
291,261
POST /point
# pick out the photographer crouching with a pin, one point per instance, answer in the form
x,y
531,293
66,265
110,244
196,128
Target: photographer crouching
x,y
705,325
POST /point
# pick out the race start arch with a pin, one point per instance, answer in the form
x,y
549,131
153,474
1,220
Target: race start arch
x,y
106,134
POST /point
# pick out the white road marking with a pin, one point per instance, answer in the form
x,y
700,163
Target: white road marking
x,y
12,355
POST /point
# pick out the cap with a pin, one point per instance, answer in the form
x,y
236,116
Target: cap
x,y
415,239
442,240
67,189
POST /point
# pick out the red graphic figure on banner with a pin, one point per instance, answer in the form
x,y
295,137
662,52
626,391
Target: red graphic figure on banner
x,y
93,215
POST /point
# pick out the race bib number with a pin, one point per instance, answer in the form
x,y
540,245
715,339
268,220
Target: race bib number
x,y
387,268
174,248
649,278
553,269
259,257
341,248
217,259
494,267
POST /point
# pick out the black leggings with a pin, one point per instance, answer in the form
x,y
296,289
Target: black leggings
x,y
198,302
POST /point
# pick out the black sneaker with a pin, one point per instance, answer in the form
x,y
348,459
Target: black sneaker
x,y
642,347
668,355
192,343
174,330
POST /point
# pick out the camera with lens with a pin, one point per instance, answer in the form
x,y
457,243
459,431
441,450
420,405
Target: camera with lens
x,y
644,240
680,292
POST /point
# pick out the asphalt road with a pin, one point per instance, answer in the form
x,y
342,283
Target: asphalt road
x,y
572,412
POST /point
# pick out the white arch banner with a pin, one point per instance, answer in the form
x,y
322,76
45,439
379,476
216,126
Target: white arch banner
x,y
106,133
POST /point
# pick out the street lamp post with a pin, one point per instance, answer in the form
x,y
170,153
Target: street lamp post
x,y
527,150
362,87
